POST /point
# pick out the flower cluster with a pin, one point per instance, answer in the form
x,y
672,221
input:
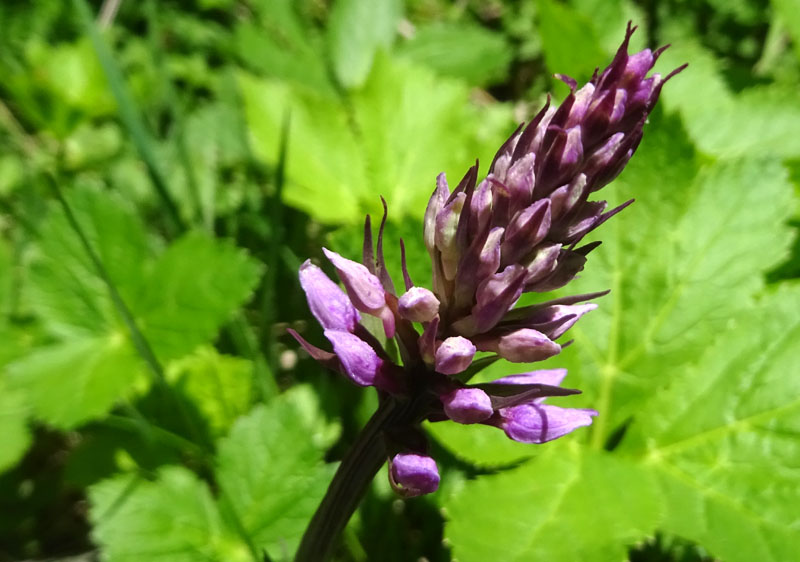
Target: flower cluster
x,y
518,230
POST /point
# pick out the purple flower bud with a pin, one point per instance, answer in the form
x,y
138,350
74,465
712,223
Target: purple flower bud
x,y
467,405
520,180
496,295
564,199
364,289
418,304
414,475
554,321
539,423
520,346
359,360
328,303
454,355
435,204
526,230
445,237
552,377
542,265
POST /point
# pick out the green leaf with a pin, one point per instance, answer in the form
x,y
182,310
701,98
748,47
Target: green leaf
x,y
416,125
185,300
66,291
219,385
280,44
568,40
179,301
273,475
173,519
723,439
568,504
469,52
679,263
402,128
759,121
69,383
13,426
356,29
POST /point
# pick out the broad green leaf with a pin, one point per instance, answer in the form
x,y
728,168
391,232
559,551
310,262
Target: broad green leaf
x,y
401,129
610,19
759,121
77,380
324,174
679,263
413,126
178,301
273,475
723,438
787,11
193,289
219,385
356,29
66,291
469,52
172,519
13,425
568,504
279,43
568,40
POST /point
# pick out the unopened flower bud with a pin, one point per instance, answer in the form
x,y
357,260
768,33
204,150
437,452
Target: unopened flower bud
x,y
521,346
467,405
454,355
418,304
413,474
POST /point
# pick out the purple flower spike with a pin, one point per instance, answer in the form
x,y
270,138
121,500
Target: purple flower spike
x,y
418,304
467,405
413,475
359,360
328,303
454,355
539,423
491,239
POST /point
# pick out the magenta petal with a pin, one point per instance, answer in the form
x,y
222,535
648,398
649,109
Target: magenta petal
x,y
364,289
414,474
539,423
359,360
467,405
552,377
328,303
454,355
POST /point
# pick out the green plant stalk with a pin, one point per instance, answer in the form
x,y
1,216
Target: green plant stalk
x,y
130,116
275,210
354,475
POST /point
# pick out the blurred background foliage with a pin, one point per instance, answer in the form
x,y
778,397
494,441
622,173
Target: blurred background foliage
x,y
166,165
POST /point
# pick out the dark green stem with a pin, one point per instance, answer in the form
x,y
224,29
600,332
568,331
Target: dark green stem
x,y
353,477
